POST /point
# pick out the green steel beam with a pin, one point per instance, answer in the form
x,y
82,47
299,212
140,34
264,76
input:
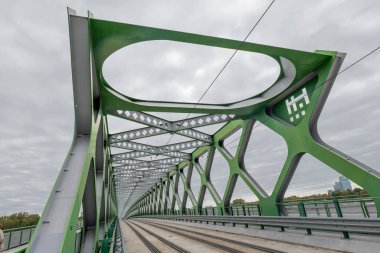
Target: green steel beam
x,y
91,177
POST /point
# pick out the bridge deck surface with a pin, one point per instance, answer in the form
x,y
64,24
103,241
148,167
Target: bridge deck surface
x,y
177,233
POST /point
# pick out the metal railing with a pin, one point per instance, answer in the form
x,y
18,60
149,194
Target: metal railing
x,y
354,207
335,211
369,226
17,236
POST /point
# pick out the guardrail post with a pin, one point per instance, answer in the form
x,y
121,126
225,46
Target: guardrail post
x,y
259,213
316,209
21,236
244,213
30,234
302,211
327,208
364,209
9,240
340,214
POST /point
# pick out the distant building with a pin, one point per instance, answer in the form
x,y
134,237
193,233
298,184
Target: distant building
x,y
346,184
342,184
338,186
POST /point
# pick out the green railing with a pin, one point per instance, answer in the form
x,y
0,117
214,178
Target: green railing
x,y
17,236
347,206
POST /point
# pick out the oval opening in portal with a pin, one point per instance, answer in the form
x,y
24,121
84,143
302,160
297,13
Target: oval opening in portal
x,y
181,72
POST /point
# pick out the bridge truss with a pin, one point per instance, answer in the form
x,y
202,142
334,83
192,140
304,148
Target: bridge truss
x,y
144,179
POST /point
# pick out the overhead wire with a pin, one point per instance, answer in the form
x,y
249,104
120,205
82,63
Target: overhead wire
x,y
316,87
228,61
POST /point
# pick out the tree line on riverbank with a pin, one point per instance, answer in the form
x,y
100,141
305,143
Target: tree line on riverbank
x,y
16,220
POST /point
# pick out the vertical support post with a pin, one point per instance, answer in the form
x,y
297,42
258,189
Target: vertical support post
x,y
364,209
327,208
259,213
9,240
302,212
21,236
340,214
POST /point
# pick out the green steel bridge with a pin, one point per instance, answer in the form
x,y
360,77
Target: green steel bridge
x,y
144,180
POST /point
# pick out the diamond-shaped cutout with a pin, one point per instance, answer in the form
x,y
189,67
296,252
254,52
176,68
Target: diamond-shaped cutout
x,y
208,200
189,205
195,183
323,178
181,187
265,156
202,160
170,190
231,143
220,172
185,171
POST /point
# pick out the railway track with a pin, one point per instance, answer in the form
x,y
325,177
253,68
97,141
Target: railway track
x,y
147,243
167,242
225,248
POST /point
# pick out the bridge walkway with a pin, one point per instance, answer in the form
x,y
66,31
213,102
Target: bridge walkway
x,y
189,238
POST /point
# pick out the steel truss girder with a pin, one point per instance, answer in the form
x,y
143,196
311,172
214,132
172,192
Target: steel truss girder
x,y
148,164
138,154
154,131
87,175
85,178
182,127
160,150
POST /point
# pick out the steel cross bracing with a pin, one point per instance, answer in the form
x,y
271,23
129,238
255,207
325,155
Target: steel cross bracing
x,y
129,161
106,184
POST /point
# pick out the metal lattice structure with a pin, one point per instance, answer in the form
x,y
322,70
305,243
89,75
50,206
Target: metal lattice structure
x,y
144,178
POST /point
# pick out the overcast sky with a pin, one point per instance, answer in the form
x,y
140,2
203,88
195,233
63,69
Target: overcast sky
x,y
36,107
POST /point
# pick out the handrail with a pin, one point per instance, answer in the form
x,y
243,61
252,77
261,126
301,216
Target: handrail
x,y
344,225
17,229
9,235
330,208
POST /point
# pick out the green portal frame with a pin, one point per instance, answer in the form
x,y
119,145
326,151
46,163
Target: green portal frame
x,y
111,185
